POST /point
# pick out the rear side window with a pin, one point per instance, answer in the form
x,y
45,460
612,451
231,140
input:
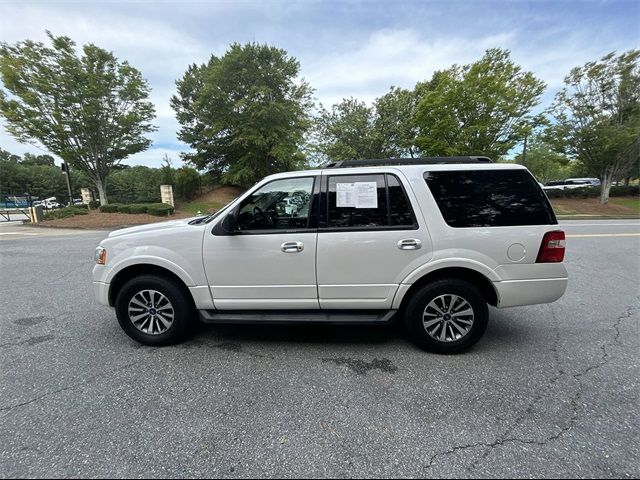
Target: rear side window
x,y
489,198
369,201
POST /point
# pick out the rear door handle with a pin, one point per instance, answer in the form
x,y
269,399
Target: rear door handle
x,y
292,247
410,244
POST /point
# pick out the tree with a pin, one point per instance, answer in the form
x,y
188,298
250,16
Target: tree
x,y
187,183
598,116
91,110
395,124
37,175
544,162
31,159
483,108
352,129
244,114
167,173
348,131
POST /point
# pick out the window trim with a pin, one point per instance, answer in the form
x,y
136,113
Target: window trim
x,y
323,223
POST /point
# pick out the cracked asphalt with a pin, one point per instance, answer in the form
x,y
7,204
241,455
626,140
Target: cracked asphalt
x,y
550,391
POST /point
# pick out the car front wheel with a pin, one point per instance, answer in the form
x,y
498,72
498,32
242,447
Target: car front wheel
x,y
153,310
447,316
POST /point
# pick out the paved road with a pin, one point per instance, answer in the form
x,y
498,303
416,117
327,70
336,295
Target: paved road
x,y
551,391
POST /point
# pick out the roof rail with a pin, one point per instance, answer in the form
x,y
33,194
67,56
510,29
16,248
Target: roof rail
x,y
406,161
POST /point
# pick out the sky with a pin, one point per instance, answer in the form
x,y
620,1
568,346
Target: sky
x,y
346,48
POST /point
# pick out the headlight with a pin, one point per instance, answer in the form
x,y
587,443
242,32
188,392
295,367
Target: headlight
x,y
100,256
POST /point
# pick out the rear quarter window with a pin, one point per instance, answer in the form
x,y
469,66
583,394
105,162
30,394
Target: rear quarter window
x,y
489,198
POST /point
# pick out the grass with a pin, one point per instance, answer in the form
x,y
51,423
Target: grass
x,y
563,211
629,202
199,206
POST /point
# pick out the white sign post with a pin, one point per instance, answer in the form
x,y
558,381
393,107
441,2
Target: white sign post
x,y
166,193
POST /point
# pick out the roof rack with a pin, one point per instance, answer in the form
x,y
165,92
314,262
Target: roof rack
x,y
406,161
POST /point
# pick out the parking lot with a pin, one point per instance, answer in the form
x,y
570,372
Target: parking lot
x,y
551,390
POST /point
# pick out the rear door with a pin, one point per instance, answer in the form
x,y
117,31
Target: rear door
x,y
370,236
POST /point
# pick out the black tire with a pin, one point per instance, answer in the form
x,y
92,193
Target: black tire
x,y
415,312
182,304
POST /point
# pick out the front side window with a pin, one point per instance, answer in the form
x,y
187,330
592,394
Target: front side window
x,y
281,204
368,202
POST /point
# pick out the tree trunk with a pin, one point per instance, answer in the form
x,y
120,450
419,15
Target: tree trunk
x,y
605,188
626,181
102,191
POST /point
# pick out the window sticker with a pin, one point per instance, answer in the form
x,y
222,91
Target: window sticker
x,y
358,195
345,195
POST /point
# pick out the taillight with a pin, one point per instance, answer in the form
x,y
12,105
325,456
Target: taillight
x,y
552,248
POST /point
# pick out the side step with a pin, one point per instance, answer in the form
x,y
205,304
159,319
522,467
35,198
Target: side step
x,y
343,317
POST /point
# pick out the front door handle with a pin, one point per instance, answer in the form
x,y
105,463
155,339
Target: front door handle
x,y
292,247
410,244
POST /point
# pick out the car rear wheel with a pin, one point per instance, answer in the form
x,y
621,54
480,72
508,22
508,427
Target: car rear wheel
x,y
447,316
154,310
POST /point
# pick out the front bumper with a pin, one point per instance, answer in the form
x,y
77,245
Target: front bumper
x,y
101,291
515,293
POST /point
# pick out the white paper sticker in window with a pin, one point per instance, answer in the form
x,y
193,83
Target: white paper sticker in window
x,y
366,195
358,195
345,195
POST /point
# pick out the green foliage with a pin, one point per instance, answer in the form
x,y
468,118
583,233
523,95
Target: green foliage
x,y
138,208
90,110
167,173
479,109
244,114
187,181
347,131
352,129
110,208
159,209
598,116
37,175
65,213
544,162
93,204
137,184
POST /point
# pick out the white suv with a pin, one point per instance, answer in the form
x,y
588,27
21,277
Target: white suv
x,y
433,241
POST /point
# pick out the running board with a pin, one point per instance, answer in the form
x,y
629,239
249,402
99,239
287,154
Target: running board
x,y
343,317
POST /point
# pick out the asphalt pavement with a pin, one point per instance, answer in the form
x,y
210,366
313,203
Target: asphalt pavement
x,y
550,390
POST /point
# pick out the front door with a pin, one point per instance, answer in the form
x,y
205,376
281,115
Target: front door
x,y
269,262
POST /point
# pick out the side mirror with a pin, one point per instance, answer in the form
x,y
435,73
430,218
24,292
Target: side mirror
x,y
230,222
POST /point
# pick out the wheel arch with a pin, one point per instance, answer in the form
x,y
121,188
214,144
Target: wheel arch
x,y
474,277
132,271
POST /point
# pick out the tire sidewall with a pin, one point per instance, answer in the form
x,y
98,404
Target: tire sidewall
x,y
181,306
418,302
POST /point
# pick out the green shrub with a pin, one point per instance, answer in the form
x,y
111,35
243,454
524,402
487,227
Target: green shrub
x,y
594,192
110,208
93,204
159,209
83,206
124,208
138,208
65,213
625,191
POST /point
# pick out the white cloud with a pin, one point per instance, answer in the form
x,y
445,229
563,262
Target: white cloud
x,y
345,49
390,57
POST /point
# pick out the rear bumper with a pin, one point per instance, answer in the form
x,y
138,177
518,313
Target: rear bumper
x,y
514,293
101,291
